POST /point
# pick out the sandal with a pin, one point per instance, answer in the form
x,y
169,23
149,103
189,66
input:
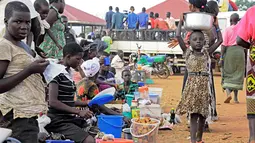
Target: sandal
x,y
237,102
201,142
228,99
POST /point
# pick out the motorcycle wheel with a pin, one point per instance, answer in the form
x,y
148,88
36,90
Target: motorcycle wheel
x,y
162,70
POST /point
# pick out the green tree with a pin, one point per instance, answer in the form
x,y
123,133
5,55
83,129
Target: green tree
x,y
243,5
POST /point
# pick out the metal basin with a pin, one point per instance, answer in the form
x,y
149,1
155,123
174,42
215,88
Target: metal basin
x,y
198,21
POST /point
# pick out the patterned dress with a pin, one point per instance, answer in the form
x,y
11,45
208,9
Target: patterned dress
x,y
48,45
196,97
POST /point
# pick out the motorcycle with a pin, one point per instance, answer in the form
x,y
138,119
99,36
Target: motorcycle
x,y
157,63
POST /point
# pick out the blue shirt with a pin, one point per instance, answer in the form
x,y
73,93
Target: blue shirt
x,y
143,19
108,19
117,20
132,20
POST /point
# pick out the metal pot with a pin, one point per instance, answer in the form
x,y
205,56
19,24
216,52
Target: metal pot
x,y
127,133
198,21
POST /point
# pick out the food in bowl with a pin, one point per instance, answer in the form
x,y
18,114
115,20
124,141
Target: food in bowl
x,y
145,130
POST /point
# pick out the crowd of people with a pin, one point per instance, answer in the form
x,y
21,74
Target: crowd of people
x,y
89,68
142,21
26,95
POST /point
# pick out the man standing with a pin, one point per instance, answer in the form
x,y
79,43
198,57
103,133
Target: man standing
x,y
143,20
108,18
117,19
70,35
132,19
160,23
246,39
108,40
151,21
170,21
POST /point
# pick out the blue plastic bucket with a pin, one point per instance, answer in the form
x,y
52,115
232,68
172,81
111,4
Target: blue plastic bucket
x,y
58,141
110,124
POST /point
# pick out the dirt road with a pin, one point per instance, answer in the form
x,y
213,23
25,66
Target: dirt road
x,y
232,126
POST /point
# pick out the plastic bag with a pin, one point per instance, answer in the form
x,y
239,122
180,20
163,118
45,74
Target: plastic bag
x,y
42,122
53,70
126,108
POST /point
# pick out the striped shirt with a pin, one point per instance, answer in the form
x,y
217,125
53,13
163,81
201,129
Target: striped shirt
x,y
66,92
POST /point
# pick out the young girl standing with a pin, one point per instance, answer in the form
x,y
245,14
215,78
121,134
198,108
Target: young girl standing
x,y
196,98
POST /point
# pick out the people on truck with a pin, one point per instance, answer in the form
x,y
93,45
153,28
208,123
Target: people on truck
x,y
117,19
170,21
151,22
132,18
108,18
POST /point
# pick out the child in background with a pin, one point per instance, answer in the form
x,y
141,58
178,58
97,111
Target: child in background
x,y
196,98
127,87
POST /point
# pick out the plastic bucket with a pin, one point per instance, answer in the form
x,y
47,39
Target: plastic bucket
x,y
155,90
142,132
111,124
137,95
127,134
129,99
154,98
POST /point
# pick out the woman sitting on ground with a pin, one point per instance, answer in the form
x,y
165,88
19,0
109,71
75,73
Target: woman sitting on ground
x,y
87,89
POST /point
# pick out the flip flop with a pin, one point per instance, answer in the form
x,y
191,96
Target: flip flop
x,y
201,142
228,99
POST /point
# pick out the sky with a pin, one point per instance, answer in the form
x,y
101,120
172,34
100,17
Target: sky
x,y
100,7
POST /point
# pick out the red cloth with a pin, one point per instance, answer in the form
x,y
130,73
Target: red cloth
x,y
161,24
152,20
234,6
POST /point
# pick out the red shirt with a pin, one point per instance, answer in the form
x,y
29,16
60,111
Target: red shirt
x,y
161,24
152,20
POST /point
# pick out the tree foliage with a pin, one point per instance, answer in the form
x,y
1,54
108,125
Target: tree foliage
x,y
243,5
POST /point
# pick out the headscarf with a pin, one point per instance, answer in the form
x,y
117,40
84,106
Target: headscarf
x,y
91,67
